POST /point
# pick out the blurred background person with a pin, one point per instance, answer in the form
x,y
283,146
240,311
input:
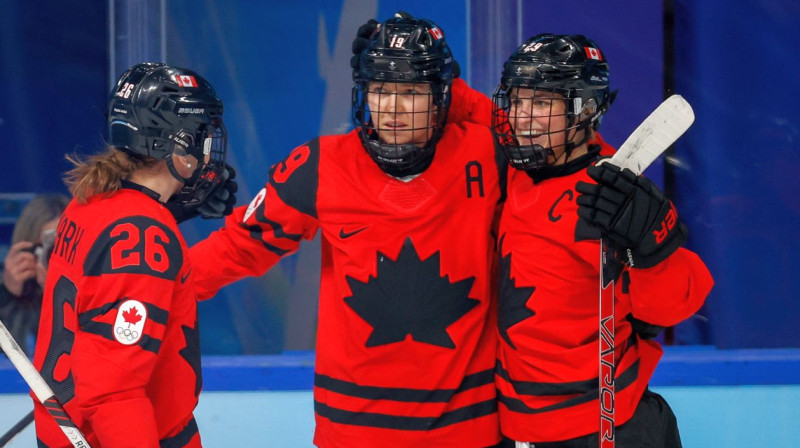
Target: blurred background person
x,y
25,267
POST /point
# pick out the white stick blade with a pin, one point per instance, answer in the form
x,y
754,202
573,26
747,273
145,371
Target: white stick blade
x,y
656,133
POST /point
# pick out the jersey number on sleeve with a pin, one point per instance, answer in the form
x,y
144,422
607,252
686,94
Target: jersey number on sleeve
x,y
285,168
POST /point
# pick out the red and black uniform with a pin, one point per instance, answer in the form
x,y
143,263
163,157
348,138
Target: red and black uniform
x,y
548,312
118,339
406,340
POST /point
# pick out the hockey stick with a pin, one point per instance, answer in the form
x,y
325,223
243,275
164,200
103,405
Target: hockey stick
x,y
40,388
16,429
651,138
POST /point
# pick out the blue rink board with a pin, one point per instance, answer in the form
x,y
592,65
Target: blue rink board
x,y
680,366
723,398
708,417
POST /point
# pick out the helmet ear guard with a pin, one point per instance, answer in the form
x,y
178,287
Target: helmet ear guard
x,y
585,108
598,116
122,133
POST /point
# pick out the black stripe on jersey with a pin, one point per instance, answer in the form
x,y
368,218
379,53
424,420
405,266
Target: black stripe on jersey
x,y
296,178
402,394
502,170
270,247
89,325
277,229
589,394
182,438
154,313
256,232
406,423
105,330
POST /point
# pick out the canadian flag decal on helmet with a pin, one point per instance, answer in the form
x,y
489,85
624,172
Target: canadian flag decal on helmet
x,y
593,53
436,33
186,80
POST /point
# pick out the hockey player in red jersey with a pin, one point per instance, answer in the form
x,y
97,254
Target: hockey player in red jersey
x,y
553,93
406,207
118,340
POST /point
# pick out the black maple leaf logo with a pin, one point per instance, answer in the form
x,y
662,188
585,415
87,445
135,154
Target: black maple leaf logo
x,y
191,353
409,297
511,300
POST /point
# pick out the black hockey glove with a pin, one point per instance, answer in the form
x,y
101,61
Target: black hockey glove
x,y
644,329
218,204
222,200
360,43
633,212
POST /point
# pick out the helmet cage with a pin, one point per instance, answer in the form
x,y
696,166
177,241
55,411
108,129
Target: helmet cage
x,y
515,104
394,158
205,179
405,50
549,64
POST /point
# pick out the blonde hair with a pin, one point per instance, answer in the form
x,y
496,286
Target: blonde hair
x,y
42,209
102,173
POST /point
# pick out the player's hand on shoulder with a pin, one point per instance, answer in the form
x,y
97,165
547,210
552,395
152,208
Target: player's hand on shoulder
x,y
633,212
367,31
360,43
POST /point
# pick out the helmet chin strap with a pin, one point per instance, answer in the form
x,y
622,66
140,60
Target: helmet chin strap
x,y
548,170
570,145
186,181
181,141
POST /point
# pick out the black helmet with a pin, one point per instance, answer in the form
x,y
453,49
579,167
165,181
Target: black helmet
x,y
569,65
157,110
404,50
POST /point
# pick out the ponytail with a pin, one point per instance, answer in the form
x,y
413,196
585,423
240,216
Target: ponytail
x,y
101,173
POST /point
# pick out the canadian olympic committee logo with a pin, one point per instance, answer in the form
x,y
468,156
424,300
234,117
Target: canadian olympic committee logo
x,y
257,201
129,326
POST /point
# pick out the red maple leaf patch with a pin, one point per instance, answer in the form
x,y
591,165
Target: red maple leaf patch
x,y
131,316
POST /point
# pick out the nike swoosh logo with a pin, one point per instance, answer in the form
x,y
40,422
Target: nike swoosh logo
x,y
344,235
186,277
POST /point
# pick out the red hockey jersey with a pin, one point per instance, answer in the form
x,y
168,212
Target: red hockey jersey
x,y
118,338
548,313
406,337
